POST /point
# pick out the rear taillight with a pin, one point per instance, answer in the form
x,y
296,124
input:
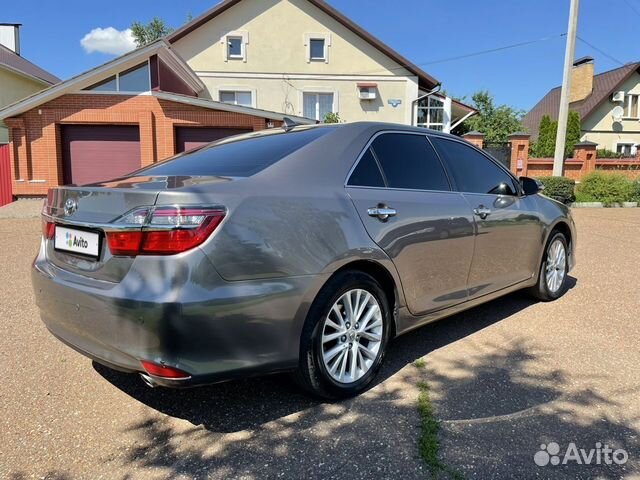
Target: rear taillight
x,y
48,230
164,230
163,371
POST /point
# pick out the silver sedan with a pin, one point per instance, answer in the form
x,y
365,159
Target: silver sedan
x,y
301,249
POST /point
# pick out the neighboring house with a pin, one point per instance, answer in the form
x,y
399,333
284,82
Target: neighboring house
x,y
607,104
303,57
242,66
18,76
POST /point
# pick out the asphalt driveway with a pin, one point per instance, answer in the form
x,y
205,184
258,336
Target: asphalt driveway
x,y
505,378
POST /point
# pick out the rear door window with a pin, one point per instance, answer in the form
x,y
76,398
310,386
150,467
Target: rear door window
x,y
367,173
409,161
472,172
241,157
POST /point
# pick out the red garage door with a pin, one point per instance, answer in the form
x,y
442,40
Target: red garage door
x,y
188,138
93,153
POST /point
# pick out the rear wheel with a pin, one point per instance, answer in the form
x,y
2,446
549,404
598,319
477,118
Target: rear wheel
x,y
552,278
345,336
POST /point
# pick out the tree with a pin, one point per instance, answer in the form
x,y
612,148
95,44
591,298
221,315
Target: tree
x,y
545,146
152,31
496,122
332,117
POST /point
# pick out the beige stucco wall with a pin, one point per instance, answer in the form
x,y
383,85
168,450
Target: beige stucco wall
x,y
276,32
601,128
14,87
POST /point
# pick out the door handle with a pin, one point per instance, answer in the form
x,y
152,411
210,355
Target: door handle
x,y
382,212
482,211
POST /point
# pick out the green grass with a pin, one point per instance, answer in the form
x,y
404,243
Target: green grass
x,y
428,444
420,363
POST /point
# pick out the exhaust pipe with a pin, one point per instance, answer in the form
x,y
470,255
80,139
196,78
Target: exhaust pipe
x,y
148,381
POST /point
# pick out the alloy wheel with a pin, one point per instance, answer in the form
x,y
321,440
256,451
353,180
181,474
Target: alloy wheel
x,y
352,335
556,265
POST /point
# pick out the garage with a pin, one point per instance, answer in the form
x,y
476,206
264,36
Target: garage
x,y
188,138
92,153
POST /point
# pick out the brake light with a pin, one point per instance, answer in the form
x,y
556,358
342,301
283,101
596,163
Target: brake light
x,y
163,371
164,230
48,230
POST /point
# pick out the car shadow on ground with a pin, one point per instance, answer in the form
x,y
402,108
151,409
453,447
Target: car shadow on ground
x,y
223,407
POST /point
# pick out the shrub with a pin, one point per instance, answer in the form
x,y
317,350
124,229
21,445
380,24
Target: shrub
x,y
605,153
607,188
635,191
559,188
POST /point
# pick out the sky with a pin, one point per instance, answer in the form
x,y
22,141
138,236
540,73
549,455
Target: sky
x,y
424,31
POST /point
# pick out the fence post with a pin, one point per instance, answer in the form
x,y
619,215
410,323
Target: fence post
x,y
586,153
519,153
475,138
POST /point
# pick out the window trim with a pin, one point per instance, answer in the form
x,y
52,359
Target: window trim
x,y
235,91
516,182
368,146
317,92
244,41
317,36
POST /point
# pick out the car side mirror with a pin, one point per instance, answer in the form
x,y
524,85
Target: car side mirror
x,y
531,186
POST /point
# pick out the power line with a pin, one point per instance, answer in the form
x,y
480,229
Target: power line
x,y
469,55
629,4
600,51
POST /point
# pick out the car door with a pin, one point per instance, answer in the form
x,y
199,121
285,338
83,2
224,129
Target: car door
x,y
403,196
508,228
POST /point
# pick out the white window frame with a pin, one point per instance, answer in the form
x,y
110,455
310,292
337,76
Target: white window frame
x,y
244,39
317,36
632,150
627,110
429,108
317,92
235,91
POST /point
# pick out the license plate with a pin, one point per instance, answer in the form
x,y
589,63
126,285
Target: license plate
x,y
77,241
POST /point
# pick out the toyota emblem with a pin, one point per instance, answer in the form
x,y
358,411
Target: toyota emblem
x,y
70,207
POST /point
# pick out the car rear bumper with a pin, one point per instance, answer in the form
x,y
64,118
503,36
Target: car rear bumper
x,y
211,329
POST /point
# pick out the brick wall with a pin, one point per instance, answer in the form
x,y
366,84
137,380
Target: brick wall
x,y
36,156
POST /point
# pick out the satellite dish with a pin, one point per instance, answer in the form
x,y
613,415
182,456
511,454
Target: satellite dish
x,y
617,113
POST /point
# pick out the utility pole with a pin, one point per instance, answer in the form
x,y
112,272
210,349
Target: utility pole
x,y
563,115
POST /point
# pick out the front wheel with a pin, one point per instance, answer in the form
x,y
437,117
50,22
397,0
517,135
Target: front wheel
x,y
552,278
345,336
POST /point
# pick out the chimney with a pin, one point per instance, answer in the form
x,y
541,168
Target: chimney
x,y
581,79
10,36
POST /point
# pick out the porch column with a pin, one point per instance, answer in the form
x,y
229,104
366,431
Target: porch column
x,y
446,119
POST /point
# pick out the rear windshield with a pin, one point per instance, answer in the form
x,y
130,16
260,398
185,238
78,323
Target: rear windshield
x,y
237,158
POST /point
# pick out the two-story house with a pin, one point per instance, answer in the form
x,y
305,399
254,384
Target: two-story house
x,y
243,65
608,105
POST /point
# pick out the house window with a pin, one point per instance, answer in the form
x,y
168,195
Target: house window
x,y
317,49
134,80
237,98
317,105
626,149
431,113
235,47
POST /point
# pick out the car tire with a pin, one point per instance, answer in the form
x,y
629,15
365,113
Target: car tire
x,y
320,376
547,289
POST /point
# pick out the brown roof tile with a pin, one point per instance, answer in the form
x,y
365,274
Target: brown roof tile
x,y
603,85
